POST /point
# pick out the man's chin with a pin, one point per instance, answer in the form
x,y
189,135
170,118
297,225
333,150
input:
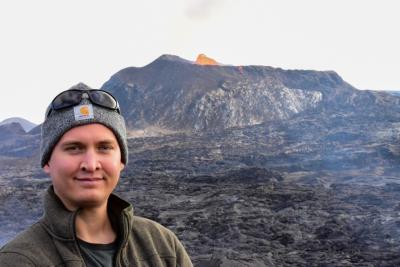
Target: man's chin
x,y
92,202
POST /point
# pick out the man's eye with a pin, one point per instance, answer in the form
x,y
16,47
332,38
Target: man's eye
x,y
105,147
73,148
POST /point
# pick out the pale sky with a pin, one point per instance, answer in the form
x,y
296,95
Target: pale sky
x,y
47,46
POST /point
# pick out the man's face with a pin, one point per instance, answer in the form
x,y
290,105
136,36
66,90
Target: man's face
x,y
85,166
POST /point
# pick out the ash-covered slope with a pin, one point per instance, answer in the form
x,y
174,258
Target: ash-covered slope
x,y
176,94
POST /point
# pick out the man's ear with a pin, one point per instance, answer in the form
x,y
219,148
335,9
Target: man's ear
x,y
46,168
122,166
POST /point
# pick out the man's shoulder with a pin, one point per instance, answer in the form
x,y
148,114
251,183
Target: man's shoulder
x,y
25,238
25,246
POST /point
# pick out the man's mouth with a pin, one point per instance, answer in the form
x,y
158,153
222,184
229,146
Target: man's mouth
x,y
88,179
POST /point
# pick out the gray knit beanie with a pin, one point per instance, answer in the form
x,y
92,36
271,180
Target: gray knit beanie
x,y
60,121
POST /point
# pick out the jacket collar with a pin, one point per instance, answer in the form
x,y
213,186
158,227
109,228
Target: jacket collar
x,y
60,222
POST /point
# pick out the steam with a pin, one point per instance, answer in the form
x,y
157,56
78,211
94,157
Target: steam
x,y
202,9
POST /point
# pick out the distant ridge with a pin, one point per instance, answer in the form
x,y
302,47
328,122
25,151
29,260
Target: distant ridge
x,y
26,125
11,129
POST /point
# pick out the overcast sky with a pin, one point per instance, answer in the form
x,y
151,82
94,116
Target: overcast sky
x,y
48,46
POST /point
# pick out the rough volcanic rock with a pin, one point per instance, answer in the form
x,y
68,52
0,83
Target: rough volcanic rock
x,y
302,192
227,221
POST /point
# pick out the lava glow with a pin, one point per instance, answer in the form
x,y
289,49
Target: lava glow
x,y
204,60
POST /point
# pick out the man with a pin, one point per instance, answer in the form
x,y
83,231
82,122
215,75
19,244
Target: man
x,y
83,150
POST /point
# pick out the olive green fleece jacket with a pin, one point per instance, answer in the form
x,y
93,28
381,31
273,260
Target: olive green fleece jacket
x,y
52,240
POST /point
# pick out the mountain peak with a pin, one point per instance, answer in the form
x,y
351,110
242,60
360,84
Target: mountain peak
x,y
167,57
25,124
12,128
175,94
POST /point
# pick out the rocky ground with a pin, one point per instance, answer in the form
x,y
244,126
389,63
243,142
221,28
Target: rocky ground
x,y
275,224
300,193
255,219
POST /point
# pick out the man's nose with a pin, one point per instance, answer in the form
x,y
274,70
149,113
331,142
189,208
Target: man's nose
x,y
90,162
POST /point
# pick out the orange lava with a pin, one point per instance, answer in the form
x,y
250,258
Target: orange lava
x,y
204,60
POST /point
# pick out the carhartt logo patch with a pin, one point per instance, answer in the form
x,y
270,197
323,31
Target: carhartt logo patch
x,y
83,112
